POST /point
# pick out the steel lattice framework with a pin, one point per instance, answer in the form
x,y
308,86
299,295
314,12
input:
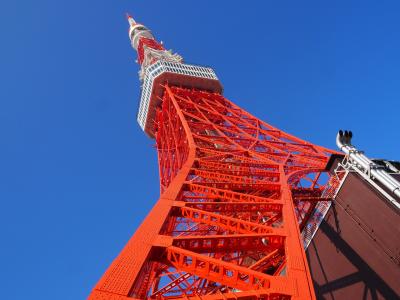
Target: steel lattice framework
x,y
236,193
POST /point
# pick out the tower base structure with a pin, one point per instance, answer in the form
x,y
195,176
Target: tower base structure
x,y
235,195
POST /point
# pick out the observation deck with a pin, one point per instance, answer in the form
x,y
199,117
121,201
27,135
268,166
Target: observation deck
x,y
178,74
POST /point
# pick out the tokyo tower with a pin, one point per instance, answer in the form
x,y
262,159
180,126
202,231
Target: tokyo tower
x,y
239,198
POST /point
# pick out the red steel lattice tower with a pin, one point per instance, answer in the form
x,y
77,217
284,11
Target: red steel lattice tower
x,y
238,196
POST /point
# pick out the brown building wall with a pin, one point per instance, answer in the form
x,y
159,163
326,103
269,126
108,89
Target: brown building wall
x,y
355,254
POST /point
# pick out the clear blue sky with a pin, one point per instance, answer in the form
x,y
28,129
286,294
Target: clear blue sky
x,y
77,175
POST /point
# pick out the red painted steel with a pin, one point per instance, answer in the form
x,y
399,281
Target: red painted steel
x,y
234,191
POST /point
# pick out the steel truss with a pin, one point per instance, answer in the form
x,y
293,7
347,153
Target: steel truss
x,y
235,193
